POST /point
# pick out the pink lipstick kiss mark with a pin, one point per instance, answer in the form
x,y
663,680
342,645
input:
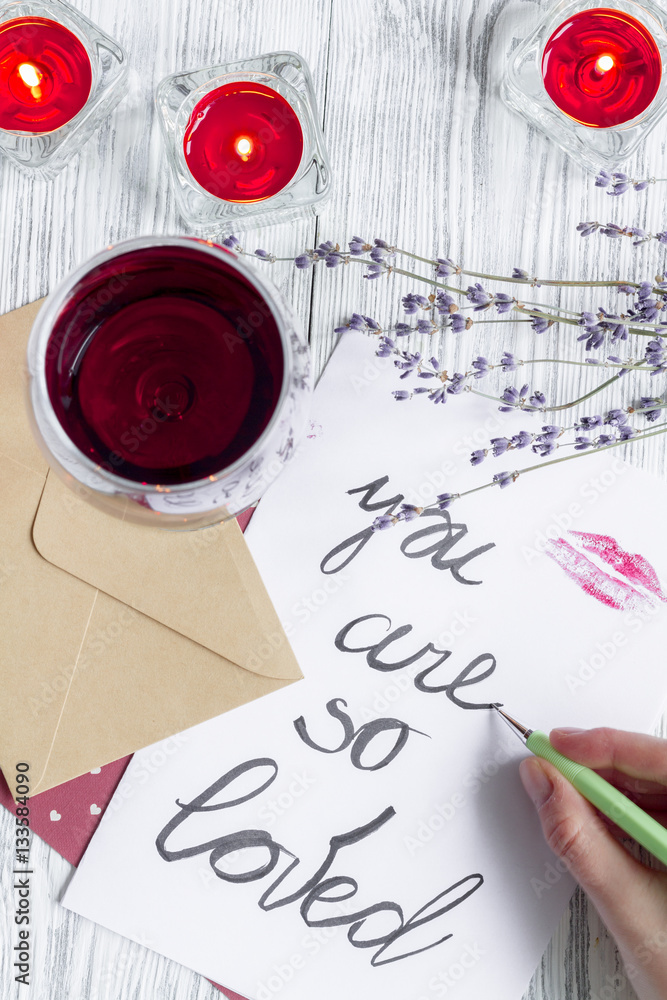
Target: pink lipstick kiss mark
x,y
612,590
633,567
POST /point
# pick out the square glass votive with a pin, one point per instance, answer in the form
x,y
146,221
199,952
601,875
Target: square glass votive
x,y
62,75
244,143
593,145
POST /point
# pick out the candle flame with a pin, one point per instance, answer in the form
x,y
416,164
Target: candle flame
x,y
244,147
604,64
30,75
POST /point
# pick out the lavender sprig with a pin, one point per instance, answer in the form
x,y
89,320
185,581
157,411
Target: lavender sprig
x,y
614,425
411,364
541,316
440,311
615,232
618,183
505,479
443,309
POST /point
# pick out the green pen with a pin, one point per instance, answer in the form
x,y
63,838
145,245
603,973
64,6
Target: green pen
x,y
626,814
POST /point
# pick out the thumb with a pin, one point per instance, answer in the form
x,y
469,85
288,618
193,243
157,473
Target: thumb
x,y
574,832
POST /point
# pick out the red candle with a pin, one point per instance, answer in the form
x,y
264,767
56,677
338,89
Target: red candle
x,y
45,75
243,142
602,67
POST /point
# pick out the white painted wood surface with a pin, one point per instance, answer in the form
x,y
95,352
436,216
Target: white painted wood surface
x,y
423,154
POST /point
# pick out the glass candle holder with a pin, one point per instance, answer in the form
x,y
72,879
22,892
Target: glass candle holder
x,y
168,382
244,143
592,77
60,76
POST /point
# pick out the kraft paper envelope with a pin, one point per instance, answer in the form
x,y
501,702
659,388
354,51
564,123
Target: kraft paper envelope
x,y
113,635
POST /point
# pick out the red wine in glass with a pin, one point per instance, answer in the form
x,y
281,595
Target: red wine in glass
x,y
165,365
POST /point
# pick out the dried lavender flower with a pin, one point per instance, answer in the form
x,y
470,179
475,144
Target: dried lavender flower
x,y
499,446
522,439
457,383
589,423
503,302
446,267
383,522
509,362
445,303
540,324
358,246
481,366
586,228
386,347
619,184
408,512
479,297
412,303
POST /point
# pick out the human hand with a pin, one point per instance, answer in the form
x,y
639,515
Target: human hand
x,y
630,898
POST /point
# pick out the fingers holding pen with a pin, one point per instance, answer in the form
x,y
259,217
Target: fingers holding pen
x,y
634,755
575,832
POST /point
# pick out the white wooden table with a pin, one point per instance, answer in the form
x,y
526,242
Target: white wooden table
x,y
423,154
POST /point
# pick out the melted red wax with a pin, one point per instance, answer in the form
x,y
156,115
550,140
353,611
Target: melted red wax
x,y
602,67
56,59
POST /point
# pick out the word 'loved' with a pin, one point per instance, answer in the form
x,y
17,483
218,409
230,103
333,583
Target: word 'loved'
x,y
381,926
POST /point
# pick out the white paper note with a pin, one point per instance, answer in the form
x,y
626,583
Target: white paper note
x,y
364,833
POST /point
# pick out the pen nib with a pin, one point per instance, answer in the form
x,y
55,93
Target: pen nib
x,y
515,726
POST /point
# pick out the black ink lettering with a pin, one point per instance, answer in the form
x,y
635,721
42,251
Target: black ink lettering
x,y
318,888
322,893
357,542
373,649
439,549
465,678
336,844
198,805
367,734
336,713
423,917
361,738
245,840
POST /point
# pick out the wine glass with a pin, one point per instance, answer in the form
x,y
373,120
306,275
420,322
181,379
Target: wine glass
x,y
169,382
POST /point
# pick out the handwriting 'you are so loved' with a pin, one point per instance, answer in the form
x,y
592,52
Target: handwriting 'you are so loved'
x,y
383,928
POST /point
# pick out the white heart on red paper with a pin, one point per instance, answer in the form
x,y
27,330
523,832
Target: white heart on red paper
x,y
96,770
95,810
55,816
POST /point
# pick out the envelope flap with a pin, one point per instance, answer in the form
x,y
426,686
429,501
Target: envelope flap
x,y
202,584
